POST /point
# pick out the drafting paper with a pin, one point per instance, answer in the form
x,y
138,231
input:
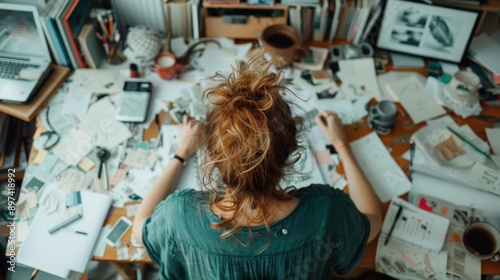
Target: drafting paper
x,y
359,78
384,174
97,81
415,99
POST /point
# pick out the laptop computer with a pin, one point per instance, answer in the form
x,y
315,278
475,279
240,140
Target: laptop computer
x,y
24,55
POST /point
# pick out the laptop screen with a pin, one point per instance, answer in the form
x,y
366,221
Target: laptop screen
x,y
19,34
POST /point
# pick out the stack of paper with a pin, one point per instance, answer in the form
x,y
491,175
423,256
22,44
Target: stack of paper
x,y
485,50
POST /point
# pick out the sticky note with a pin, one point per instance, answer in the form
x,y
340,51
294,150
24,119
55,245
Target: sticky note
x,y
86,164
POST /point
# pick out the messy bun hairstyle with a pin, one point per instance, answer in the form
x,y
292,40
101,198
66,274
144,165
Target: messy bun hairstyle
x,y
250,137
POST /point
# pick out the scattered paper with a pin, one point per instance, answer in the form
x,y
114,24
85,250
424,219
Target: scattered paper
x,y
449,68
48,163
493,135
415,99
22,228
359,78
122,253
138,254
76,103
97,81
40,156
50,201
29,198
381,170
100,246
386,78
73,147
86,164
71,180
140,159
485,178
101,125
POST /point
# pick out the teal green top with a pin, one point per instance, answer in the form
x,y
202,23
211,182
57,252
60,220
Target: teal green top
x,y
325,231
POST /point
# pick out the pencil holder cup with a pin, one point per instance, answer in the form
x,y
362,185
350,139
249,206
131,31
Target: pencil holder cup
x,y
382,117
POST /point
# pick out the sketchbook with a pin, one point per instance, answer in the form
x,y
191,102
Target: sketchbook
x,y
414,249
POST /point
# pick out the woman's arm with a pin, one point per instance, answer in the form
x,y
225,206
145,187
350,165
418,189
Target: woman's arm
x,y
360,189
165,185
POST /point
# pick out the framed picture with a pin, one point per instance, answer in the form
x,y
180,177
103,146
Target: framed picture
x,y
431,31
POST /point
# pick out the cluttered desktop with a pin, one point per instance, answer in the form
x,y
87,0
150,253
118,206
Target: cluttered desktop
x,y
419,103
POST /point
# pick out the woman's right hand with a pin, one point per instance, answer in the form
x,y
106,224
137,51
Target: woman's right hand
x,y
332,127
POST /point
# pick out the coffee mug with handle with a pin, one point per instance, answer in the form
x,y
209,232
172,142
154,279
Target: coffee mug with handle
x,y
462,89
166,66
482,240
382,117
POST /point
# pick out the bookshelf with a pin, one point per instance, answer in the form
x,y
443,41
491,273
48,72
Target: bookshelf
x,y
241,21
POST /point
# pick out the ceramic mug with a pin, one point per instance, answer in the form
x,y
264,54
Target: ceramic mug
x,y
482,240
166,66
462,88
282,42
382,117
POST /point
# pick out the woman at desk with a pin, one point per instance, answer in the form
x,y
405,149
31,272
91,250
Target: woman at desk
x,y
245,225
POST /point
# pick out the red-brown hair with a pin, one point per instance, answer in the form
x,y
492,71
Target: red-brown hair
x,y
250,137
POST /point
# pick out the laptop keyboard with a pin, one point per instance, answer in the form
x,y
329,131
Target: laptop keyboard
x,y
10,70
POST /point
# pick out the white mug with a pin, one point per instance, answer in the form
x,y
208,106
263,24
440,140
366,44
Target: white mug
x,y
482,240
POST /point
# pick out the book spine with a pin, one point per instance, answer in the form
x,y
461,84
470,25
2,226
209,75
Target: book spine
x,y
58,42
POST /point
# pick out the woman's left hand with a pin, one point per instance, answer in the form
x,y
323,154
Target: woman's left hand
x,y
188,141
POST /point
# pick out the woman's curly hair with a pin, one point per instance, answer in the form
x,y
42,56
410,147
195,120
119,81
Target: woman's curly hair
x,y
250,137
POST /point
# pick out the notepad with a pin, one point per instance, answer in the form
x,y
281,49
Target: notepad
x,y
384,174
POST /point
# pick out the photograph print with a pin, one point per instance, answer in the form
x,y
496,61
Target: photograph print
x,y
411,17
442,33
406,37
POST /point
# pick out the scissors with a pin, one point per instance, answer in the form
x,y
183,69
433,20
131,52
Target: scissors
x,y
490,118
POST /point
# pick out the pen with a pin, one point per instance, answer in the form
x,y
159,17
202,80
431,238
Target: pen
x,y
76,231
412,153
398,214
33,275
469,143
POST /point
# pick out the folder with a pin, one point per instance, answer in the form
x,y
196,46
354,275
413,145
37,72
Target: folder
x,y
65,253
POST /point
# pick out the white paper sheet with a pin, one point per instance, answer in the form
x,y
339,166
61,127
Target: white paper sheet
x,y
97,81
101,125
386,78
359,78
73,147
415,99
382,171
76,103
493,135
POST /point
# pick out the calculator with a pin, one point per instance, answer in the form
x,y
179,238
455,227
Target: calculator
x,y
135,100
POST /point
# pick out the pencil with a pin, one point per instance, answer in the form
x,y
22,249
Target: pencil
x,y
398,214
33,275
469,143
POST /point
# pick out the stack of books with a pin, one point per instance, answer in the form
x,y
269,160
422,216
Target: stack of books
x,y
62,22
349,20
